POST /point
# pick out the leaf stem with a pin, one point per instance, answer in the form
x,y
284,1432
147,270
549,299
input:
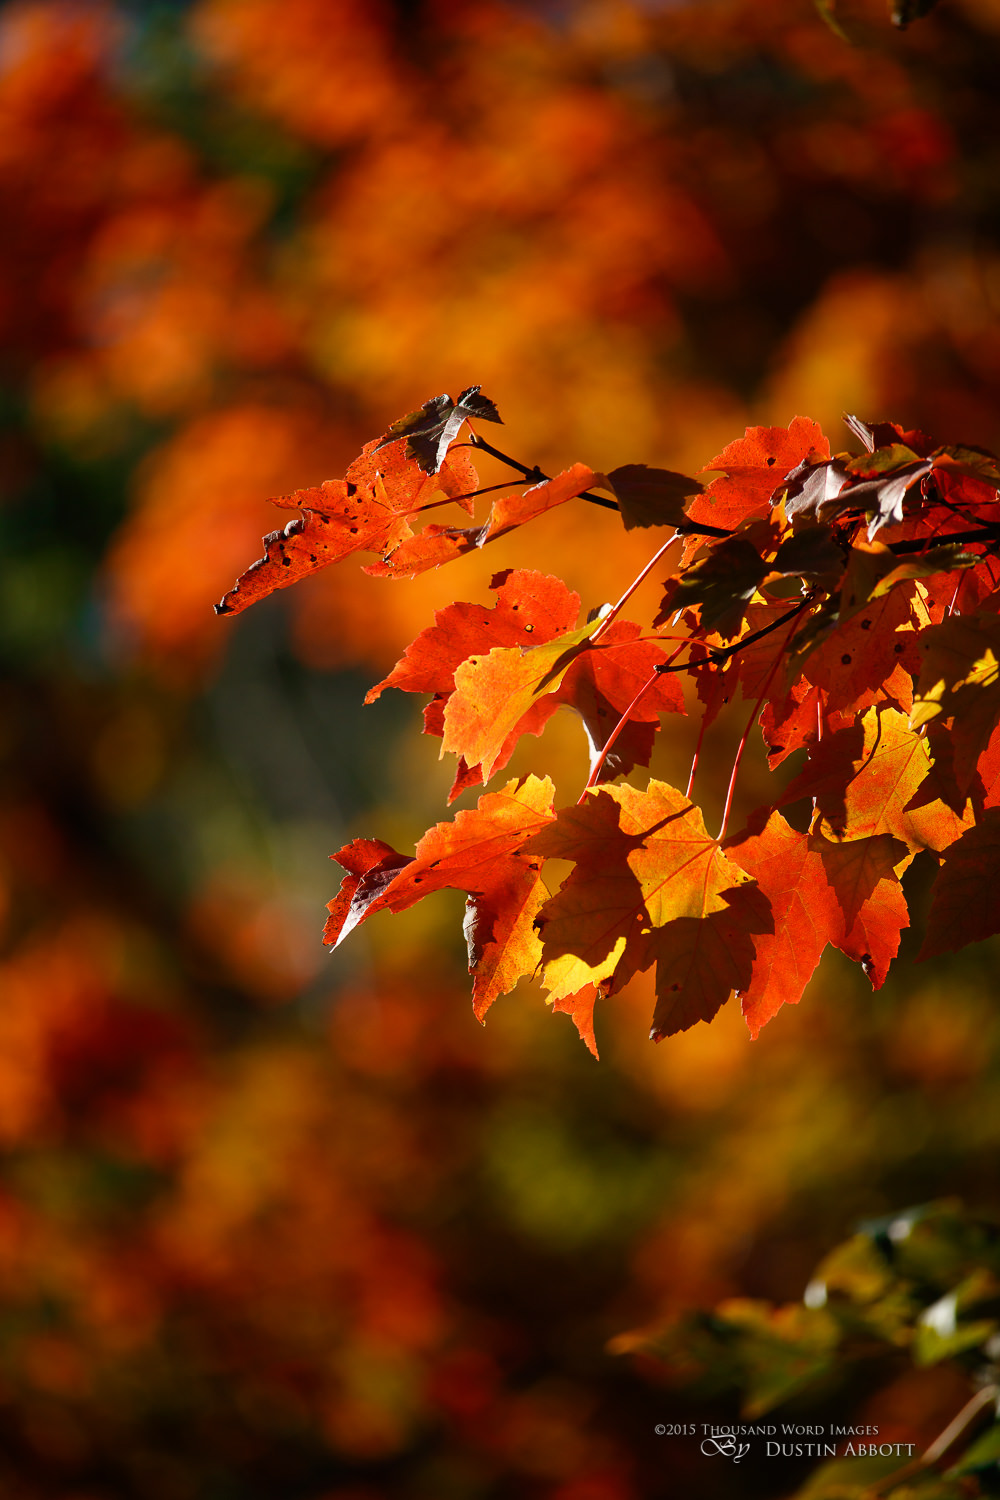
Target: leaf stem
x,y
609,742
716,656
697,755
617,608
746,735
487,489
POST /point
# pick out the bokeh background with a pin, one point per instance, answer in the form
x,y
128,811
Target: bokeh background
x,y
281,1226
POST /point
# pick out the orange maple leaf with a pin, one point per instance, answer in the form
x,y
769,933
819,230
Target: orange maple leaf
x,y
752,468
806,914
440,544
369,510
481,852
644,864
869,778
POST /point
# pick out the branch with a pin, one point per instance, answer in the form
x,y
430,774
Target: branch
x,y
717,655
984,533
538,476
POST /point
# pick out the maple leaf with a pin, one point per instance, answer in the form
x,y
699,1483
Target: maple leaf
x,y
367,511
960,680
820,892
494,692
481,852
868,656
602,682
791,722
873,570
752,468
371,865
877,482
793,877
751,668
884,478
532,609
430,431
723,582
701,961
812,489
514,510
438,544
651,497
866,777
643,864
964,907
871,909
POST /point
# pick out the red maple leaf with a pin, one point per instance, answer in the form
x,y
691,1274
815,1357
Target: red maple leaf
x,y
752,469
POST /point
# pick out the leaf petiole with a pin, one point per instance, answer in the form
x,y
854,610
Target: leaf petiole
x,y
617,608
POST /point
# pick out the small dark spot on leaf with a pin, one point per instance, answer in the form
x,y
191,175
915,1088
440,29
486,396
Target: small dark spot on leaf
x,y
354,531
352,489
312,557
845,660
769,464
866,624
899,648
529,628
286,562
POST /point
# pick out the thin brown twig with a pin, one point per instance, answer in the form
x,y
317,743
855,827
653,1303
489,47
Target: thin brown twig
x,y
946,1439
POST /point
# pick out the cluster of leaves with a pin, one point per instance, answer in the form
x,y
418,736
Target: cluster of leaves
x,y
924,1285
852,599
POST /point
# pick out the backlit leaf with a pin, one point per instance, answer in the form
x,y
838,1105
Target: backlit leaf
x,y
792,876
752,468
642,863
964,905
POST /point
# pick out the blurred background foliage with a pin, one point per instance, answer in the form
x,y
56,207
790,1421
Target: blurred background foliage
x,y
279,1225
